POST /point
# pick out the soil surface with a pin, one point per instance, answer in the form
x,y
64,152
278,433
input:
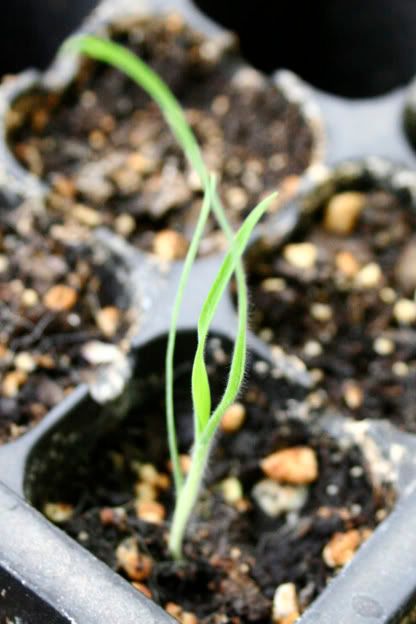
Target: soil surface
x,y
62,310
105,146
250,533
341,295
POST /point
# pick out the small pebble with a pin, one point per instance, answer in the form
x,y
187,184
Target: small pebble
x,y
301,255
60,298
232,490
170,245
321,312
12,383
145,492
86,215
58,512
289,185
150,511
353,395
405,270
220,105
312,349
343,211
369,277
127,180
347,263
275,499
233,418
29,298
237,198
405,311
108,320
383,346
148,474
273,285
113,516
388,295
317,375
25,362
124,225
317,399
332,489
97,139
357,472
64,186
184,617
261,367
4,263
296,465
97,353
342,547
285,604
401,369
138,567
185,462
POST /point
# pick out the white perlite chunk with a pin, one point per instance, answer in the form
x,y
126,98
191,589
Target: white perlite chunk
x,y
285,604
275,499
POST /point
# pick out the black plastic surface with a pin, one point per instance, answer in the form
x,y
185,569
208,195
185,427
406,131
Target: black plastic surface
x,y
20,605
32,30
353,48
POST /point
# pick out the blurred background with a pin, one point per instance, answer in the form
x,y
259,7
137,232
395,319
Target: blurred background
x,y
355,48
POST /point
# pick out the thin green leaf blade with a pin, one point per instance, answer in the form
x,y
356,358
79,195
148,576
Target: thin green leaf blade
x,y
228,266
201,392
126,61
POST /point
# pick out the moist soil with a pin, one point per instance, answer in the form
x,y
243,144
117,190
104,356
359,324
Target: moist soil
x,y
61,303
236,554
351,316
105,145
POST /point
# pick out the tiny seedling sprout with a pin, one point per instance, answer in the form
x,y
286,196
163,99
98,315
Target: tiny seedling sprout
x,y
206,421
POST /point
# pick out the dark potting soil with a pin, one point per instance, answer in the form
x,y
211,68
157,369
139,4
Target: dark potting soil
x,y
106,146
347,306
61,305
239,548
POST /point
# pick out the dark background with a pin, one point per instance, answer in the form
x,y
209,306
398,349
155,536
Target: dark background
x,y
32,30
355,48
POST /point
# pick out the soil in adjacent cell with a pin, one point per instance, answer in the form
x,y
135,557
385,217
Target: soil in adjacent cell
x,y
341,295
62,306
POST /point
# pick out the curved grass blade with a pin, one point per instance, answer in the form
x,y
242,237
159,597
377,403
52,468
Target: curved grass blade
x,y
126,61
208,311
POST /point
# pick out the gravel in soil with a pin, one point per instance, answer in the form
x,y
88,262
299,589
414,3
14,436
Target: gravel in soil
x,y
283,509
62,306
341,296
111,159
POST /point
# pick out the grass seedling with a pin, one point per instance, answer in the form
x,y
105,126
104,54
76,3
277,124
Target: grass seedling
x,y
205,422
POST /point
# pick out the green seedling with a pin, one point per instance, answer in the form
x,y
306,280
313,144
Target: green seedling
x,y
206,421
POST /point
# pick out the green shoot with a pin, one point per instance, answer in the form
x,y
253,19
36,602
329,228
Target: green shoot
x,y
126,61
205,422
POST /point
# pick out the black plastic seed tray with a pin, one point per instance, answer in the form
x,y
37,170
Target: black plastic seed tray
x,y
47,577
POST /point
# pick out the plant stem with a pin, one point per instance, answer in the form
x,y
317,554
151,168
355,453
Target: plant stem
x,y
170,351
187,499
